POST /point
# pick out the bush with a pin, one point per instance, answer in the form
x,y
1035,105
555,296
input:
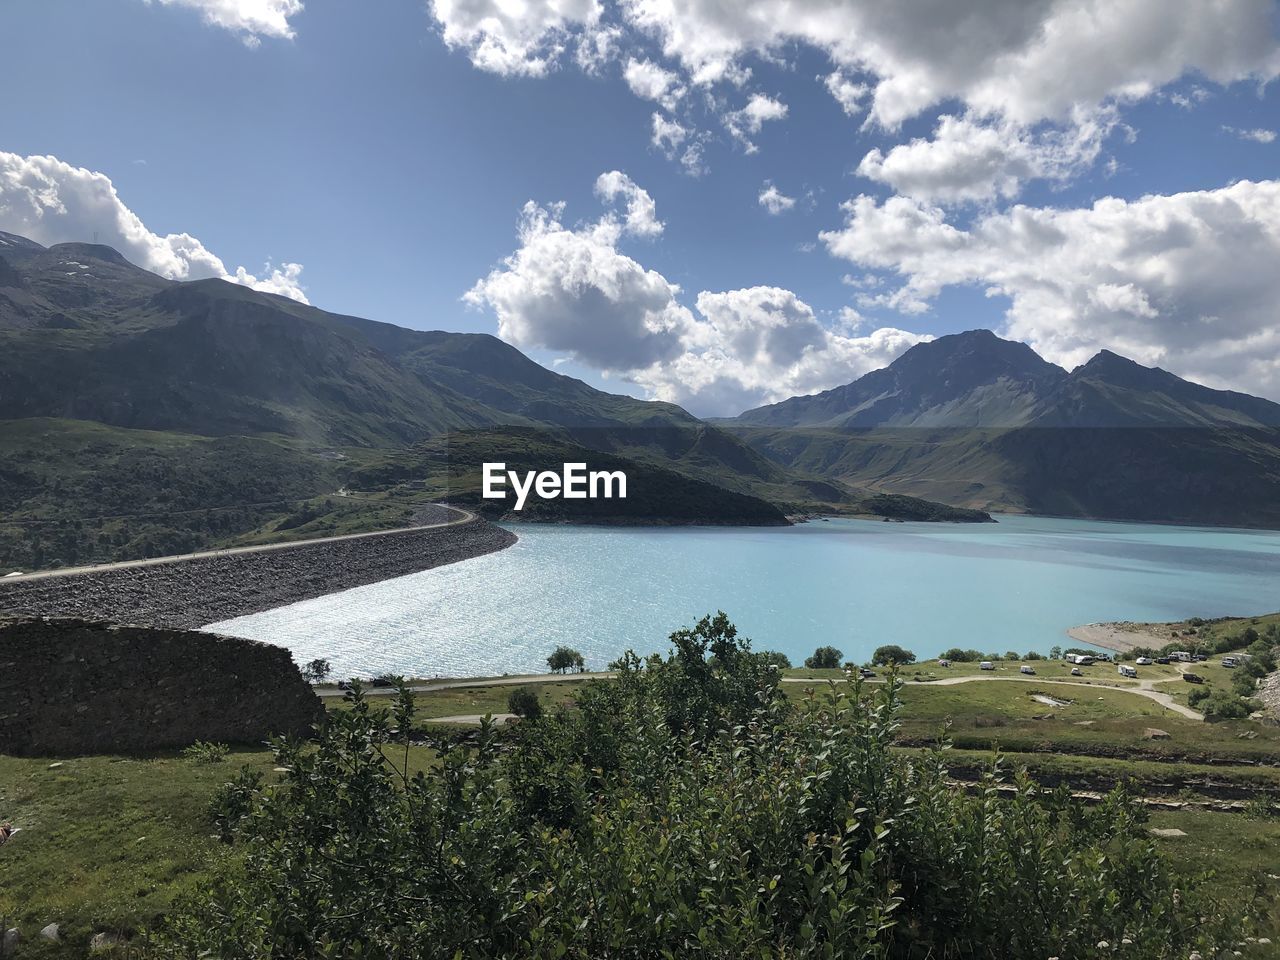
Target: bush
x,y
1012,655
891,653
824,658
1221,705
317,671
201,752
524,702
776,659
1198,695
634,827
563,659
1032,655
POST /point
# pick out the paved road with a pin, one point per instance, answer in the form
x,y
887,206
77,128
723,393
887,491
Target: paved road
x,y
1145,688
464,517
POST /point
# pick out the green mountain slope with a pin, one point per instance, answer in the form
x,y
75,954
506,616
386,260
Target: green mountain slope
x,y
93,347
976,421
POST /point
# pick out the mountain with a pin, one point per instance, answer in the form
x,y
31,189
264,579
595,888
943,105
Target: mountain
x,y
977,421
183,389
968,379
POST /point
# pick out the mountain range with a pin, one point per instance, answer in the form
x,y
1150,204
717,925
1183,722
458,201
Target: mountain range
x,y
975,420
174,415
140,416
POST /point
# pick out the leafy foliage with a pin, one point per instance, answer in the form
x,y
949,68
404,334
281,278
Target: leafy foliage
x,y
564,659
317,671
824,658
891,653
201,752
685,810
524,702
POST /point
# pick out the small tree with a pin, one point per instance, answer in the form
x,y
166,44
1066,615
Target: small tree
x,y
563,659
776,659
317,671
824,658
1055,652
523,702
891,653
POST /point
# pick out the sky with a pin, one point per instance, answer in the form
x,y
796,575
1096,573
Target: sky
x,y
717,204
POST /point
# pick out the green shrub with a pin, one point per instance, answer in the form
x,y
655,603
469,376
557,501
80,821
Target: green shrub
x,y
824,658
685,810
524,702
201,752
892,653
776,659
957,655
564,659
1221,705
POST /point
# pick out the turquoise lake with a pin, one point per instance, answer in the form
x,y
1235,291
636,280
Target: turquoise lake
x,y
1015,585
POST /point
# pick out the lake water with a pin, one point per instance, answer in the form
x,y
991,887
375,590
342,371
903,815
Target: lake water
x,y
1015,585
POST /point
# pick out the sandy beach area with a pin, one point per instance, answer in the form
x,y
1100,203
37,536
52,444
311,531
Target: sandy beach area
x,y
1121,637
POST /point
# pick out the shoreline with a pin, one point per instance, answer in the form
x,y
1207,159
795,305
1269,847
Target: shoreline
x,y
1113,636
190,593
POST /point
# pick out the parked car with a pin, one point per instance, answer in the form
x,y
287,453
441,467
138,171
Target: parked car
x,y
1027,669
986,665
867,674
944,663
1164,660
1077,672
1143,661
1199,657
1230,662
1193,678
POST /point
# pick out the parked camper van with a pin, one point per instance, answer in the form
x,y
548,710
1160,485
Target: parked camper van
x,y
986,665
1182,656
1127,671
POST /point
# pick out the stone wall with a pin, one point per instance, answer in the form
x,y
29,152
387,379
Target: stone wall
x,y
70,687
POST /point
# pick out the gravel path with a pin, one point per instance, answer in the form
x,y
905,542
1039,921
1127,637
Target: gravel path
x,y
189,592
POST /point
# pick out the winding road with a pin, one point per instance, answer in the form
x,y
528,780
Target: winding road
x,y
464,517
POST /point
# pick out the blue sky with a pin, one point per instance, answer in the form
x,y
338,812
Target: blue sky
x,y
387,150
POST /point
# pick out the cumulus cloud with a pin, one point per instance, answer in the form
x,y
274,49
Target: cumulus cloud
x,y
1256,134
774,200
1023,60
1185,281
745,123
517,39
51,202
850,95
641,212
970,160
650,81
760,345
573,291
251,19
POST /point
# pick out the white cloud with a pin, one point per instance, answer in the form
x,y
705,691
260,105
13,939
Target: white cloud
x,y
774,200
1256,134
572,291
53,202
970,160
760,345
668,134
850,95
1186,281
252,19
746,123
651,82
520,38
642,213
1023,60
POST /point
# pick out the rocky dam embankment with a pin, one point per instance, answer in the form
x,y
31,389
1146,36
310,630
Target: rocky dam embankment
x,y
187,593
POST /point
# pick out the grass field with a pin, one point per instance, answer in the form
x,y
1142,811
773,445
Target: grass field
x,y
108,843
